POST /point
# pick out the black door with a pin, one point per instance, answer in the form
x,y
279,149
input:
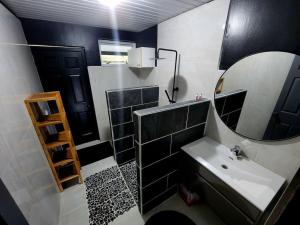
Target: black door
x,y
285,120
65,70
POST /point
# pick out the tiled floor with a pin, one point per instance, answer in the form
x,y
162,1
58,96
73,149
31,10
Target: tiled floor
x,y
74,208
201,214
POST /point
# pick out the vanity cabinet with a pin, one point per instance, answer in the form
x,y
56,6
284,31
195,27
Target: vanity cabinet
x,y
141,57
228,204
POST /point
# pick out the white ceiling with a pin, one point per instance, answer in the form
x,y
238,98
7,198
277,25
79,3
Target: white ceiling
x,y
131,15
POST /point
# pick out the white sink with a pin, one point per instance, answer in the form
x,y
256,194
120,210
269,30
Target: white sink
x,y
254,182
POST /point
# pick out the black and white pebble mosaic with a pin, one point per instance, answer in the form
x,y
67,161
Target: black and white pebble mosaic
x,y
129,173
108,196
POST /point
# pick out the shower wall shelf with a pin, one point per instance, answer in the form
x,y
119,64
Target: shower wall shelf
x,y
50,122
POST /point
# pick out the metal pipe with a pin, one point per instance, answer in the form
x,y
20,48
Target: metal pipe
x,y
174,77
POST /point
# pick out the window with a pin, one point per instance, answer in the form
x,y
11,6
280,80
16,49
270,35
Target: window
x,y
114,52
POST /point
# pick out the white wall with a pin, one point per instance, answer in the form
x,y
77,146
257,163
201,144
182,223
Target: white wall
x,y
23,167
104,78
263,76
197,35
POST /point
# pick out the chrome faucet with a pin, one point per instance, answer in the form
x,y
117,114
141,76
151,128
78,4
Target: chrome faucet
x,y
237,151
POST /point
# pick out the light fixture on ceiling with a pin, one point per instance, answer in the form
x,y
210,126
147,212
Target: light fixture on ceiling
x,y
110,3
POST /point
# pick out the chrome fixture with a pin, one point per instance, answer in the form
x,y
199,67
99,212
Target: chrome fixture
x,y
237,151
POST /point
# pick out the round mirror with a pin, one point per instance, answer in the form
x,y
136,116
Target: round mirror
x,y
259,96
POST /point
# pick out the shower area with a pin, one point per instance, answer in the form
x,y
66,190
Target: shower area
x,y
121,104
136,108
147,142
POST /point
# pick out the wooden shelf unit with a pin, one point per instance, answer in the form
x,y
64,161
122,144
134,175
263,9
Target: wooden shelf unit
x,y
52,123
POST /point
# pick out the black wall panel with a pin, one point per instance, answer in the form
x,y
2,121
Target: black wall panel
x,y
53,33
162,133
255,26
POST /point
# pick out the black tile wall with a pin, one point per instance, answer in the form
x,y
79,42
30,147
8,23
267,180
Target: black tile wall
x,y
158,199
144,106
234,102
187,136
155,189
229,107
119,116
155,150
172,179
136,131
163,133
126,156
123,144
124,98
166,122
233,119
219,104
150,94
123,130
197,114
121,104
137,153
161,168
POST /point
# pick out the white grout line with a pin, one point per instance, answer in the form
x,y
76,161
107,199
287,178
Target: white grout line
x,y
173,133
110,124
208,112
125,150
229,93
120,108
232,112
171,144
134,106
174,171
187,117
133,88
142,96
123,137
140,162
167,181
159,160
122,123
160,194
223,106
127,185
164,108
122,164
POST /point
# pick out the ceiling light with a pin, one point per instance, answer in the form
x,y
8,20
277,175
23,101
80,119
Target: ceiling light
x,y
110,3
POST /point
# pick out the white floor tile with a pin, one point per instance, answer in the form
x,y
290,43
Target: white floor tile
x,y
132,217
97,166
201,214
79,216
74,207
72,199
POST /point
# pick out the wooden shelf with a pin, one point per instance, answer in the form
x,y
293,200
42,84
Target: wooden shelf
x,y
51,120
62,139
63,162
71,177
54,133
56,144
43,97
